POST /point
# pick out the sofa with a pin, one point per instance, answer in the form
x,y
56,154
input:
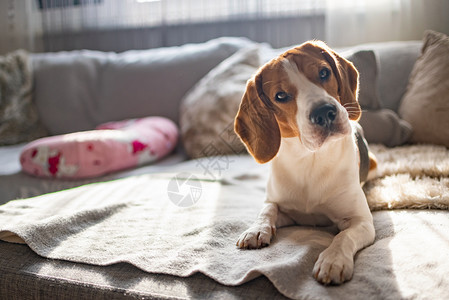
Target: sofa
x,y
164,230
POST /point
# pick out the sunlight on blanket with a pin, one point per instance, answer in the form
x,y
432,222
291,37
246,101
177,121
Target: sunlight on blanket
x,y
422,248
89,205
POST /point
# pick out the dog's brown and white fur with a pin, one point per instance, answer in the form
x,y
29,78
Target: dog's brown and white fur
x,y
297,113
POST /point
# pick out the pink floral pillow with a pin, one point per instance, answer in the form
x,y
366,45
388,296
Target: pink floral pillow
x,y
111,147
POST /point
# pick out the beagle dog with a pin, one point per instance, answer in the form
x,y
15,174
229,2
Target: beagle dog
x,y
299,111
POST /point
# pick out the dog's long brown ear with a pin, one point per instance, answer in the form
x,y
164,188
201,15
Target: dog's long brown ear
x,y
348,82
256,124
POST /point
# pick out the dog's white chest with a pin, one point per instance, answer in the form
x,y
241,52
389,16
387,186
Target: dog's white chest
x,y
306,185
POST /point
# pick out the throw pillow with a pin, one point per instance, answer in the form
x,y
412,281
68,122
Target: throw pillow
x,y
19,120
208,110
383,126
425,104
112,147
366,63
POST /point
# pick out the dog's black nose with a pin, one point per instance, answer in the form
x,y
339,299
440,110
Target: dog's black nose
x,y
323,115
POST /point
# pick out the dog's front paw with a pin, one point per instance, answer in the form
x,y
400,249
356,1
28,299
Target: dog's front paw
x,y
333,267
256,237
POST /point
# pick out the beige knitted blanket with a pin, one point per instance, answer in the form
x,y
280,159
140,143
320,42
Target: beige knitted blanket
x,y
184,223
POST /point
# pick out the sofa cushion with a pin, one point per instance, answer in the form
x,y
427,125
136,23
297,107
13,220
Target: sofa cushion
x,y
384,126
380,125
208,110
396,60
366,64
78,90
426,103
26,275
19,120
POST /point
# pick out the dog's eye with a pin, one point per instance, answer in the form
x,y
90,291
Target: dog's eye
x,y
282,97
324,74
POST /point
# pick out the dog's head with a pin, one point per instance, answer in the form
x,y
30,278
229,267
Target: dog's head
x,y
308,92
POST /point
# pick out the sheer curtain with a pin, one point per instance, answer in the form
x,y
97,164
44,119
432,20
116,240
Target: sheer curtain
x,y
351,22
112,25
119,25
20,26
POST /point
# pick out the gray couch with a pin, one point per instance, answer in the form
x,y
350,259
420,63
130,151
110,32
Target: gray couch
x,y
78,90
75,91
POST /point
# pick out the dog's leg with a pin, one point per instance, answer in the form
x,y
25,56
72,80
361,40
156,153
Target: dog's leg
x,y
335,264
264,228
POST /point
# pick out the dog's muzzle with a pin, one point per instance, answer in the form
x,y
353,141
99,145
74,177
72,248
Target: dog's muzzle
x,y
324,115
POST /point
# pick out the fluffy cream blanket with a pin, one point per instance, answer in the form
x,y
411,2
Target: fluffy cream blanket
x,y
410,177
